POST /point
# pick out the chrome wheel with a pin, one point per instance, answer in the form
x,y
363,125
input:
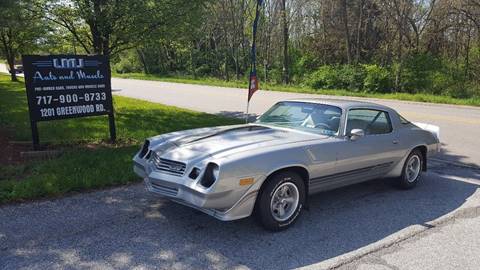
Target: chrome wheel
x,y
284,201
412,170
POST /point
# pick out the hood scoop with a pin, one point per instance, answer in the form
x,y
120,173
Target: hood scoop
x,y
249,128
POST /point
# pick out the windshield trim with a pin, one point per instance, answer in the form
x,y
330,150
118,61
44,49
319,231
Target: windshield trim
x,y
309,131
294,130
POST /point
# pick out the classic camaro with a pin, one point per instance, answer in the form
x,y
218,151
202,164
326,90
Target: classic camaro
x,y
297,148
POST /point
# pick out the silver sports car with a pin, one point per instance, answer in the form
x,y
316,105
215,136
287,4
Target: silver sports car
x,y
297,148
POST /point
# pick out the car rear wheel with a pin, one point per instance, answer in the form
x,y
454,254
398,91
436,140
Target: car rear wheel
x,y
412,170
280,202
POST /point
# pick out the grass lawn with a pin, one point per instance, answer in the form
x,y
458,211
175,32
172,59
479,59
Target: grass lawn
x,y
87,162
303,89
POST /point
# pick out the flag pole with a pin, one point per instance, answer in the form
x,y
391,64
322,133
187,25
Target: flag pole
x,y
246,114
253,80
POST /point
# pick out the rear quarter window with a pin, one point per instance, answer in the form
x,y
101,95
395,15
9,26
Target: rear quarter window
x,y
403,121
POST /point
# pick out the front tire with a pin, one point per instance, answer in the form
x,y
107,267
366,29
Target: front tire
x,y
412,169
281,201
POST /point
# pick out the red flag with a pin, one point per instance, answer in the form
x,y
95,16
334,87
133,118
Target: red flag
x,y
252,85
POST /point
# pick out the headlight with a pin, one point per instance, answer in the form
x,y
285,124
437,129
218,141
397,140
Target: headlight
x,y
215,171
144,149
210,175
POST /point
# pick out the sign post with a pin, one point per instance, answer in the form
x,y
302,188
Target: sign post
x,y
67,86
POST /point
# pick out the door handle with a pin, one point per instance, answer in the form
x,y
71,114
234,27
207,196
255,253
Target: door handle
x,y
395,141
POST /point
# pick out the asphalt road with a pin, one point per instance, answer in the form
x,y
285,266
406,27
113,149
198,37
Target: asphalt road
x,y
366,226
459,125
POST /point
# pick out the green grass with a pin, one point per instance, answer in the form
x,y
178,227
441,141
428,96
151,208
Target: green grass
x,y
304,89
80,167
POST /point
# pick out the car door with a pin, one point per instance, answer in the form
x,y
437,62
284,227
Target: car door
x,y
369,156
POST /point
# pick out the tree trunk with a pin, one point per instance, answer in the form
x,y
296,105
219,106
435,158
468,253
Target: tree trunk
x,y
11,64
324,34
359,29
237,68
143,60
283,10
9,54
227,75
398,74
343,8
467,55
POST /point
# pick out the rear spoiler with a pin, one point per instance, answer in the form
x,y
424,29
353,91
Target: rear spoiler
x,y
435,130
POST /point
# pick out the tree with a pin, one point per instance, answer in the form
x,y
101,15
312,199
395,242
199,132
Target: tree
x,y
409,42
18,31
110,26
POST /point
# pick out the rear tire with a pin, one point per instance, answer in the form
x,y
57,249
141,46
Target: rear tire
x,y
412,170
281,201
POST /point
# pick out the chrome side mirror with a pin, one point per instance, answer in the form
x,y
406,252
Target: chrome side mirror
x,y
356,133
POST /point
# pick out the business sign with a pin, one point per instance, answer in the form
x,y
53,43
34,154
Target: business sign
x,y
67,86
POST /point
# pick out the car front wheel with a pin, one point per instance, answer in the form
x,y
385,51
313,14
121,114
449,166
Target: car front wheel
x,y
280,201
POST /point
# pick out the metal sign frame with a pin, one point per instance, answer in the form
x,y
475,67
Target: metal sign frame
x,y
67,86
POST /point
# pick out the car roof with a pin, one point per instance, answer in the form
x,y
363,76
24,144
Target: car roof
x,y
342,103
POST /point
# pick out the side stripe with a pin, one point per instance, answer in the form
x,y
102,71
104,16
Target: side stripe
x,y
335,176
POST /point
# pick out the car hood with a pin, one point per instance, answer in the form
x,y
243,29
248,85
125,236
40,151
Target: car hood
x,y
191,145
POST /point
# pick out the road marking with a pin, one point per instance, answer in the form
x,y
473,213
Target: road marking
x,y
425,116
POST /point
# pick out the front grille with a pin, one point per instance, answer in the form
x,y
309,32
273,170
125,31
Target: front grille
x,y
168,166
164,190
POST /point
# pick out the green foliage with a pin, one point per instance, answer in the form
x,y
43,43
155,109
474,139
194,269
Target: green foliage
x,y
323,77
109,27
421,73
337,77
377,79
19,31
305,64
351,77
127,62
417,70
424,73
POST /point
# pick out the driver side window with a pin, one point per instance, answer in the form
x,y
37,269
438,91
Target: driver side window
x,y
373,122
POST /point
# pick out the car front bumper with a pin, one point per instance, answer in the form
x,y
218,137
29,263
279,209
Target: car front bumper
x,y
225,205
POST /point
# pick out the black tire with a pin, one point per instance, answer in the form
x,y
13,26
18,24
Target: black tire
x,y
263,212
405,181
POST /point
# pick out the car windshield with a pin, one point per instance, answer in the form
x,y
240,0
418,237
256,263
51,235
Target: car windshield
x,y
311,117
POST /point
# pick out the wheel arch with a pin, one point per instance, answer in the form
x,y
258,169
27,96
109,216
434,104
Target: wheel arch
x,y
299,169
423,150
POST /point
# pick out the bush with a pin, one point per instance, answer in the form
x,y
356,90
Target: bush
x,y
127,63
324,77
337,77
351,77
441,82
377,79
